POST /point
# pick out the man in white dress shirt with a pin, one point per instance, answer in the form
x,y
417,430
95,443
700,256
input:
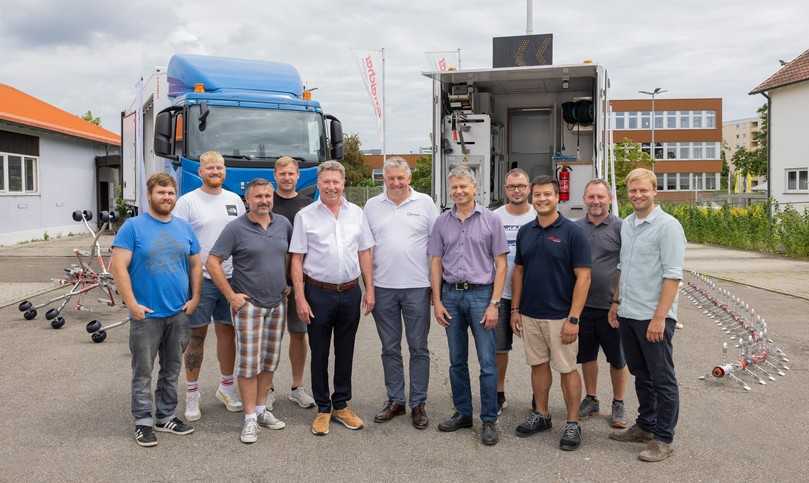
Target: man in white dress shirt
x,y
331,245
401,220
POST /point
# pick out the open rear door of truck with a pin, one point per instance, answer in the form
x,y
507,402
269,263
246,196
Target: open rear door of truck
x,y
129,134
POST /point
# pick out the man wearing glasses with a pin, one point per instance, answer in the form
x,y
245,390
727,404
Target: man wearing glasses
x,y
514,214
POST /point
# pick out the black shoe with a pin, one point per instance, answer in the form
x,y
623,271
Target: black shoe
x,y
455,423
501,402
533,424
488,435
144,436
176,426
571,437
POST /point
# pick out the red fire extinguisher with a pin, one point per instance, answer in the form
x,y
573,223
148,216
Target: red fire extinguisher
x,y
563,175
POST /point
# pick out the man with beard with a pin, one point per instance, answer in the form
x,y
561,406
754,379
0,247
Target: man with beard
x,y
468,270
331,245
603,229
258,244
514,214
401,220
155,259
549,287
644,306
208,209
288,202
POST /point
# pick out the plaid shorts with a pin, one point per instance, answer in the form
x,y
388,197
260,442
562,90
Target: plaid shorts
x,y
258,338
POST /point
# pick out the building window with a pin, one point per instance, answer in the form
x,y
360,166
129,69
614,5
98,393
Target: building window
x,y
685,119
671,150
697,120
710,150
645,120
797,180
658,151
671,119
684,151
658,120
633,120
685,183
698,181
645,148
660,182
710,119
378,175
619,120
696,150
671,181
711,181
18,174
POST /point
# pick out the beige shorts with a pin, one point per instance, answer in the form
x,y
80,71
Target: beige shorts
x,y
542,340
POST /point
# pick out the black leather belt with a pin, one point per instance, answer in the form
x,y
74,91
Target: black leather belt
x,y
466,285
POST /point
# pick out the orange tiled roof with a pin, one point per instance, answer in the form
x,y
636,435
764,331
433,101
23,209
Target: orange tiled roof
x,y
21,108
795,71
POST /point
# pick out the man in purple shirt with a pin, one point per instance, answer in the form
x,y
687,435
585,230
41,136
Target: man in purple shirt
x,y
467,252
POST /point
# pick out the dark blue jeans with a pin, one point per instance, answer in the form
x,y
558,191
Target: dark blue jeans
x,y
467,308
652,364
412,305
167,338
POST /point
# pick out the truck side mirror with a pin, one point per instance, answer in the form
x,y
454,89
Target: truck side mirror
x,y
336,137
164,133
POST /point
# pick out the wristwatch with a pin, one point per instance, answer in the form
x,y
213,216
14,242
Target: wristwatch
x,y
573,320
496,303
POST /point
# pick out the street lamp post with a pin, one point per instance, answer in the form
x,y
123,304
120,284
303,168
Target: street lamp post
x,y
656,91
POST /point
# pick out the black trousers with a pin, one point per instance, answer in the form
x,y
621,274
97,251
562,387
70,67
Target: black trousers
x,y
336,313
652,364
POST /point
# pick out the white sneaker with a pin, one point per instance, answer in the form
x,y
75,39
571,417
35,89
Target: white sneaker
x,y
192,412
268,420
230,400
678,325
302,399
270,400
249,431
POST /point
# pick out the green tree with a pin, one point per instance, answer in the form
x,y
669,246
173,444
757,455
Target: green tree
x,y
749,163
422,179
357,173
88,116
628,156
761,135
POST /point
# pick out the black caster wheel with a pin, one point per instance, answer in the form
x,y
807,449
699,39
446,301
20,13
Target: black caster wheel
x,y
58,322
93,326
51,314
30,314
77,215
25,306
99,337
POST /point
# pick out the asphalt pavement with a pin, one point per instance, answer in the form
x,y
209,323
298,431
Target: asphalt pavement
x,y
65,407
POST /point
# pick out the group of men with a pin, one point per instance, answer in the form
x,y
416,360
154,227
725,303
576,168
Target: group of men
x,y
291,263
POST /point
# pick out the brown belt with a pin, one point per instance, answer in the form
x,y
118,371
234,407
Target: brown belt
x,y
332,287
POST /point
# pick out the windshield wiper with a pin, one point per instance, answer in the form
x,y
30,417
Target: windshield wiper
x,y
238,156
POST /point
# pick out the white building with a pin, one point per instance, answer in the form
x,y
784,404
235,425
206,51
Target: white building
x,y
51,163
788,93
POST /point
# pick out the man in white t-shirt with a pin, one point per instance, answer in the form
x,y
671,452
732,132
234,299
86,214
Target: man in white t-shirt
x,y
401,220
208,209
514,214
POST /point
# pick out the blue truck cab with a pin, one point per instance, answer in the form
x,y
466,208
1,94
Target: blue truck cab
x,y
250,111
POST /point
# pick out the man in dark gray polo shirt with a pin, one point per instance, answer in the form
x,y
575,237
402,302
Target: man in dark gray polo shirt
x,y
603,229
257,242
467,252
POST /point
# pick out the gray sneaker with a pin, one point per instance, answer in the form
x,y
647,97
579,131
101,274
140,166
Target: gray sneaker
x,y
655,451
618,416
268,420
249,431
635,434
588,407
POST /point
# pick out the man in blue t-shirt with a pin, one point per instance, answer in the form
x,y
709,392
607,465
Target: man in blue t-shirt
x,y
155,261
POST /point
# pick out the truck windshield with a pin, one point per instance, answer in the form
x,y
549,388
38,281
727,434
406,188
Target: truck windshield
x,y
248,133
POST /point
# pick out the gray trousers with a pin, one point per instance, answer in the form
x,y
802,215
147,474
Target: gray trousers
x,y
166,337
413,305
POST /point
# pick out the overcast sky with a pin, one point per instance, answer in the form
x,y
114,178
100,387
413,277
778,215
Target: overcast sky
x,y
85,54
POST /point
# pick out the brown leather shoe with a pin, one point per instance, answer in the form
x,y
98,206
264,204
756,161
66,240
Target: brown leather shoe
x,y
419,416
347,418
389,411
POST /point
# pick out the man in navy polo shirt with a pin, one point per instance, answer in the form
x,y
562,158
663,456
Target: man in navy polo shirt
x,y
549,288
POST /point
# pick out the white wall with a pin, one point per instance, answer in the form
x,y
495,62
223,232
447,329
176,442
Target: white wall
x,y
789,131
66,183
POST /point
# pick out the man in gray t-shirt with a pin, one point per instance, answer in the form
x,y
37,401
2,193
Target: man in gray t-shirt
x,y
258,243
603,229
